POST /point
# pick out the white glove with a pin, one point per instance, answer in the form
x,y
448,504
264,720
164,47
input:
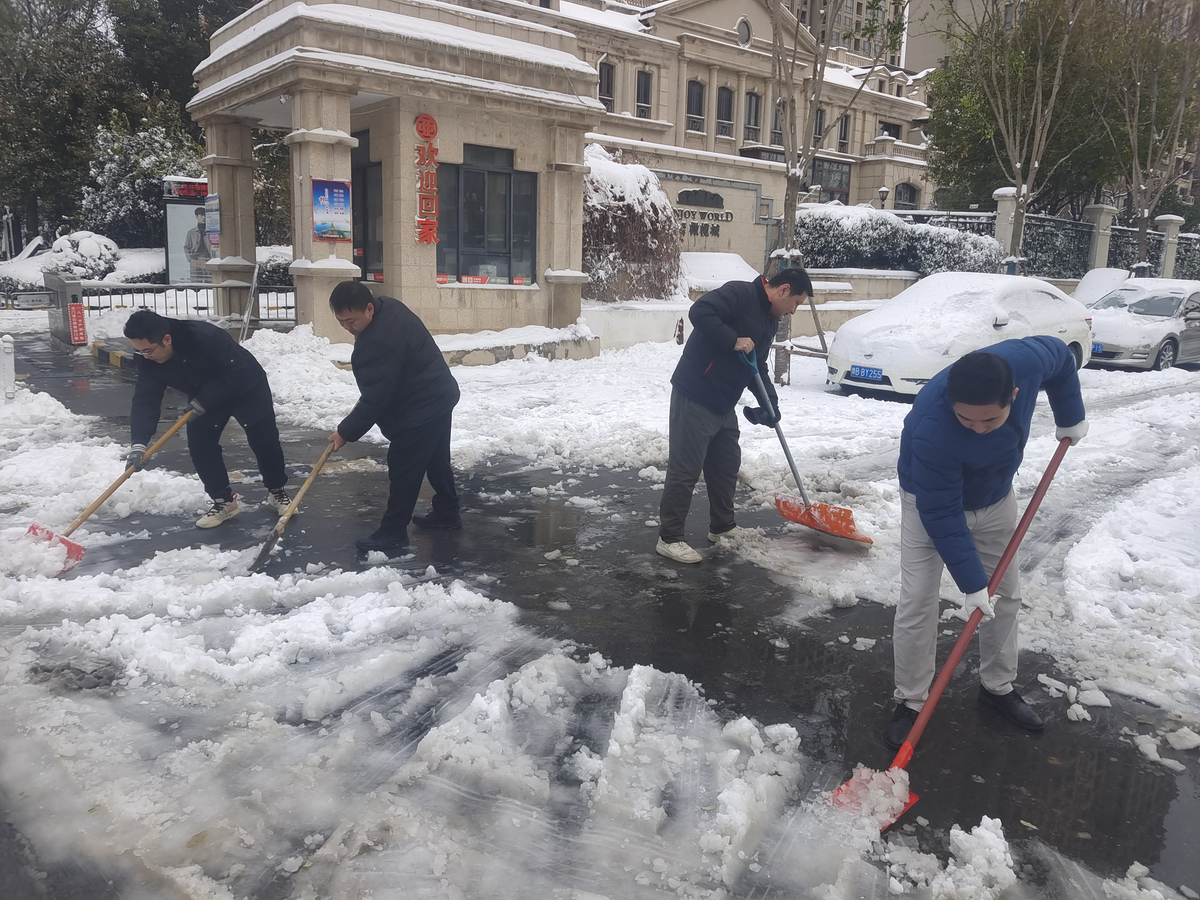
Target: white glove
x,y
1076,432
979,600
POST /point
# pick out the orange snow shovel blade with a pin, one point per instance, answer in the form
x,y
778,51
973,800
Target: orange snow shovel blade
x,y
74,550
834,521
882,795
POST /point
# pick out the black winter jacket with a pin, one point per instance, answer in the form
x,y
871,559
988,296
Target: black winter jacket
x,y
207,364
401,375
710,371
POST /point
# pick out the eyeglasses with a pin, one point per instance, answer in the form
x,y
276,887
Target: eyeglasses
x,y
149,351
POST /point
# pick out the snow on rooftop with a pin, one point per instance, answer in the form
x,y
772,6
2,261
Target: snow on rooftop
x,y
609,18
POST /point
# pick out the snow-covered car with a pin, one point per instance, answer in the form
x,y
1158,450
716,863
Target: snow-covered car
x,y
907,340
1147,323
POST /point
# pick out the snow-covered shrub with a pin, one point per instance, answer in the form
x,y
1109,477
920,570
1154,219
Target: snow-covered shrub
x,y
832,236
1187,256
81,254
124,199
273,272
630,239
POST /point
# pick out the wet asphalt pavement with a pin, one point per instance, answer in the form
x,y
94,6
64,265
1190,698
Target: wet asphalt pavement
x,y
1081,791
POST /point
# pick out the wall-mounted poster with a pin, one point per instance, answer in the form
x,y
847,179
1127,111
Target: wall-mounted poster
x,y
188,243
331,211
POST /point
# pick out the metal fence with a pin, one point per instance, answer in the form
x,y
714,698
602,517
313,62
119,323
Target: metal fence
x,y
1187,257
275,304
1123,249
1056,248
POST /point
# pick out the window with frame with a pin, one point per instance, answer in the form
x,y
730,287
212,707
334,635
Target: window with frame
x,y
645,82
608,77
777,125
834,179
753,102
695,106
487,223
819,124
366,208
843,142
906,196
890,129
724,112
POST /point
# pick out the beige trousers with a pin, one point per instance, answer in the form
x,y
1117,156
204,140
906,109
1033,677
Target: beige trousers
x,y
914,635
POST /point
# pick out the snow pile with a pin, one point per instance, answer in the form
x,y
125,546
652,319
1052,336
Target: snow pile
x,y
82,254
529,335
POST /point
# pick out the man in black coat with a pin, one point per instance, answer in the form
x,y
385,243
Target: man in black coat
x,y
221,379
407,390
739,316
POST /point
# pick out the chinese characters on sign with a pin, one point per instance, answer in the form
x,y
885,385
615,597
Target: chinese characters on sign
x,y
427,187
701,222
331,210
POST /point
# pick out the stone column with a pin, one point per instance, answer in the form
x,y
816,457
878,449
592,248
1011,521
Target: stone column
x,y
628,101
562,222
739,113
1006,212
681,103
1170,226
710,109
230,166
1101,218
321,143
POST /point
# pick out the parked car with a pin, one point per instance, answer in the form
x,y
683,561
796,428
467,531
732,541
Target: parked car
x,y
1147,323
907,340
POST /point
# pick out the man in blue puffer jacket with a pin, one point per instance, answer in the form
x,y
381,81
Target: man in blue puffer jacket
x,y
959,450
706,386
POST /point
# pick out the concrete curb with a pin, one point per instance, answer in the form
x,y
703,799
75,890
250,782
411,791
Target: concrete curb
x,y
110,353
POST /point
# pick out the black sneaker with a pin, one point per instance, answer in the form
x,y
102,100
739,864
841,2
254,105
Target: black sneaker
x,y
1013,708
451,520
896,731
389,542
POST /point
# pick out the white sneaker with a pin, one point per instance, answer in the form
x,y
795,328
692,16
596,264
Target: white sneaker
x,y
219,512
278,500
678,551
733,533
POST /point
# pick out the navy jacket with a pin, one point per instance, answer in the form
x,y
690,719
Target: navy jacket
x,y
710,371
402,378
207,364
951,469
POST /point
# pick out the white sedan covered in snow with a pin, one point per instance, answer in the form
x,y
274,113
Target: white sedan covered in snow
x,y
1147,323
907,340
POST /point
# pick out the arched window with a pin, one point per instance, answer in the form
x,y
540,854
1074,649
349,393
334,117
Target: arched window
x,y
724,112
753,102
695,106
608,77
906,196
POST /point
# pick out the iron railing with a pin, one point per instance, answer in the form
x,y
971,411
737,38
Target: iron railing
x,y
1056,248
1123,249
1187,256
275,304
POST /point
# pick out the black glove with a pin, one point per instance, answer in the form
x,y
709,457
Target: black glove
x,y
195,405
756,415
134,457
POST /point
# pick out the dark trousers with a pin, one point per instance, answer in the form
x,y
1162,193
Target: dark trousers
x,y
414,453
255,412
700,441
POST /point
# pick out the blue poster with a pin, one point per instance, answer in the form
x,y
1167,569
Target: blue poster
x,y
331,210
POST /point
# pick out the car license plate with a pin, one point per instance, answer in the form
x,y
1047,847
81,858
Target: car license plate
x,y
1097,348
865,372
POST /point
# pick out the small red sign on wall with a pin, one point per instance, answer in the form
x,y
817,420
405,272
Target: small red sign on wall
x,y
77,323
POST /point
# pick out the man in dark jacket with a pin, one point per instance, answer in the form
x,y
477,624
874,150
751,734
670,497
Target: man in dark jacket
x,y
221,379
740,316
407,390
960,448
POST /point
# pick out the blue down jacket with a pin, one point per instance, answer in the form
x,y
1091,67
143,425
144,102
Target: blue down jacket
x,y
951,469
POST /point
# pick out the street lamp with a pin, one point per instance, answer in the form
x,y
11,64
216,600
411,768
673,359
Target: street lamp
x,y
883,195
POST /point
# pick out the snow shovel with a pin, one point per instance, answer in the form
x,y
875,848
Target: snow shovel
x,y
835,524
859,792
74,549
271,541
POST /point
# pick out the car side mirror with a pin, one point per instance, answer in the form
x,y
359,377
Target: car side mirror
x,y
1000,321
1193,316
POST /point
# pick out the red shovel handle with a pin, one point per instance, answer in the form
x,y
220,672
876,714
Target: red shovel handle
x,y
935,693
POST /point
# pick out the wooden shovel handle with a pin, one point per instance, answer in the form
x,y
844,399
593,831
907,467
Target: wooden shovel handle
x,y
154,448
316,470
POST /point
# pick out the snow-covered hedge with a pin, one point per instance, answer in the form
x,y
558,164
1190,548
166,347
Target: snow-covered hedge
x,y
630,241
81,254
832,236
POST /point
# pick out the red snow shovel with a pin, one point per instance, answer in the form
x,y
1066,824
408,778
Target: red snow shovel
x,y
852,796
74,549
834,524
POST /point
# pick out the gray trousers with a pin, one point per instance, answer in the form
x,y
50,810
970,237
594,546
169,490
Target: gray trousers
x,y
914,636
700,441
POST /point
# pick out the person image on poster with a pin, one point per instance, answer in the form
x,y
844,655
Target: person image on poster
x,y
197,249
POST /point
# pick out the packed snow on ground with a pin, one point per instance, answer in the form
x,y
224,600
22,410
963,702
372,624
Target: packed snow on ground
x,y
375,731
